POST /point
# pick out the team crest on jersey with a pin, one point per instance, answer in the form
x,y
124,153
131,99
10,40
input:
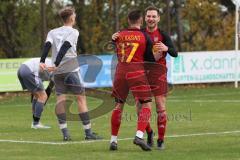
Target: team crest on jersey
x,y
155,39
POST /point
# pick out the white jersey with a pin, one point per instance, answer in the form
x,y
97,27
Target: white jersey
x,y
33,65
57,37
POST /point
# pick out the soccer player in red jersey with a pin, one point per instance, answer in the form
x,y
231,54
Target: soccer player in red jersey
x,y
133,45
157,73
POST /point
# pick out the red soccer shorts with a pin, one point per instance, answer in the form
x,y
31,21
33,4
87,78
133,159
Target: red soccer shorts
x,y
131,77
157,78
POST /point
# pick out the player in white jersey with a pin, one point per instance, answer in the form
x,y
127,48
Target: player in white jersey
x,y
31,78
63,41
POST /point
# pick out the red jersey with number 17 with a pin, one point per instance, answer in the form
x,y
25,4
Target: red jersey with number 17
x,y
132,46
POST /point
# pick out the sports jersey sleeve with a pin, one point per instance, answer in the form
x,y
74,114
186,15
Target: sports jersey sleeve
x,y
45,51
63,50
148,56
47,46
168,42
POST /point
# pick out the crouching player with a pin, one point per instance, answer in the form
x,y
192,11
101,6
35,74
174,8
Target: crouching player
x,y
31,78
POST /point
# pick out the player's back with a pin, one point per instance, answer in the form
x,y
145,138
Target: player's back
x,y
58,36
33,64
131,46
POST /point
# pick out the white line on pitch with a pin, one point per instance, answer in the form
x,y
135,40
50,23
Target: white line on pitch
x,y
123,139
203,134
206,101
205,95
169,100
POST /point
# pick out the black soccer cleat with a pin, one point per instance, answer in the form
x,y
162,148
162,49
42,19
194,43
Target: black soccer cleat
x,y
140,142
67,138
150,140
160,144
113,146
93,136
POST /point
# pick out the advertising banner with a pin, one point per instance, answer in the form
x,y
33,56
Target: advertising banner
x,y
204,67
98,71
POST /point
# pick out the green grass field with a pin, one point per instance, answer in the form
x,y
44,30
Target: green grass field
x,y
203,124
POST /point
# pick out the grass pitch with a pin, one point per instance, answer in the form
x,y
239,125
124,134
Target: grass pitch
x,y
203,124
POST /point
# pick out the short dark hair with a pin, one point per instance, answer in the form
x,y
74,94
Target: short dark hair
x,y
152,8
134,16
65,13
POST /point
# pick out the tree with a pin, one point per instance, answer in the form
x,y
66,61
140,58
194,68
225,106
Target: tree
x,y
17,27
207,27
43,21
179,24
200,25
115,6
20,27
168,18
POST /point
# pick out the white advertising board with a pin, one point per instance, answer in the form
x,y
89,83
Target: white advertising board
x,y
204,67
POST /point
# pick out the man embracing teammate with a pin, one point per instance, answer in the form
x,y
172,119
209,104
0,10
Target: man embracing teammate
x,y
156,72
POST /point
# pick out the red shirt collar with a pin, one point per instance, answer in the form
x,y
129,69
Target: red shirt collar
x,y
152,31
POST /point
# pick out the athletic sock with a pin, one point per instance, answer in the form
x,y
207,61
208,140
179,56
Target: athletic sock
x,y
38,112
86,122
161,123
113,139
35,120
34,101
116,121
148,128
62,118
139,134
143,120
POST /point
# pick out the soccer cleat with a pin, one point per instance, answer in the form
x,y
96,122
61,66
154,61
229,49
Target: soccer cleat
x,y
140,142
39,126
113,146
67,138
150,140
93,136
160,144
